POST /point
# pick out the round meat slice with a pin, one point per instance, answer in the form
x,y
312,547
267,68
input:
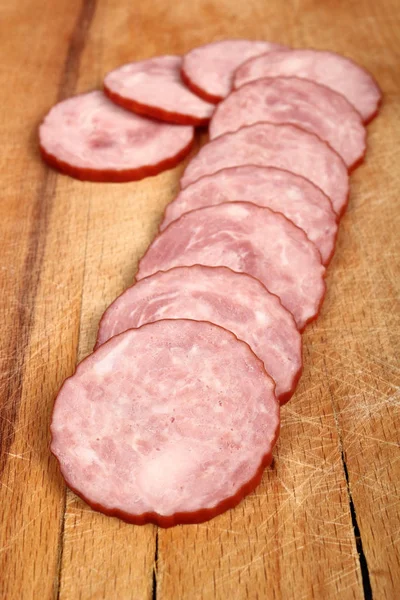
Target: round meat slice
x,y
170,423
328,68
248,239
154,88
282,146
309,105
234,301
282,191
208,70
90,138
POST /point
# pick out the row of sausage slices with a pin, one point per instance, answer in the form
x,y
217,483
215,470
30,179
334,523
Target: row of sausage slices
x,y
174,416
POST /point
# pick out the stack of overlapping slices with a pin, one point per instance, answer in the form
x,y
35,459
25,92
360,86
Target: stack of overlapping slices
x,y
174,416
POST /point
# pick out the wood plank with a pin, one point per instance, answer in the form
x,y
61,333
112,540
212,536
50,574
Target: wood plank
x,y
112,559
42,275
103,557
362,356
363,332
211,561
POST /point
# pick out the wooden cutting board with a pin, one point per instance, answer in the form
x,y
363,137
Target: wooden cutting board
x,y
324,523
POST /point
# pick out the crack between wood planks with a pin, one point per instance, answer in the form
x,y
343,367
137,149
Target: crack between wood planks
x,y
362,559
154,588
57,581
366,581
67,87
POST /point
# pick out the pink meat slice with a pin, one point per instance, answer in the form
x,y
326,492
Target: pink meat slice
x,y
89,137
282,146
208,70
234,301
153,87
248,239
309,105
170,423
328,68
282,191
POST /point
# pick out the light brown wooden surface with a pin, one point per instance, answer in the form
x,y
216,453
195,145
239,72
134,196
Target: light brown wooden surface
x,y
67,248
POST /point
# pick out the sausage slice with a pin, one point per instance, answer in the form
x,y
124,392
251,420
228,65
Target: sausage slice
x,y
90,138
208,70
154,88
170,423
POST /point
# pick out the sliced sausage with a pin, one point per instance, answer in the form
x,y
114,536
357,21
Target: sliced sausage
x,y
328,68
154,88
248,239
234,301
208,70
295,197
282,146
309,105
90,138
170,423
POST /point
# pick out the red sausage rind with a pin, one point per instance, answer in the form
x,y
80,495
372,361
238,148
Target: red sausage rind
x,y
90,138
248,239
170,423
234,301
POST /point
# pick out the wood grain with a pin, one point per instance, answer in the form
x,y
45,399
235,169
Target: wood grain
x,y
324,522
40,299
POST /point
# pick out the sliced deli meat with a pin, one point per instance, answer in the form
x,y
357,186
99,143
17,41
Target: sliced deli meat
x,y
170,423
235,301
282,191
282,146
328,68
154,88
208,70
90,138
248,239
309,105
